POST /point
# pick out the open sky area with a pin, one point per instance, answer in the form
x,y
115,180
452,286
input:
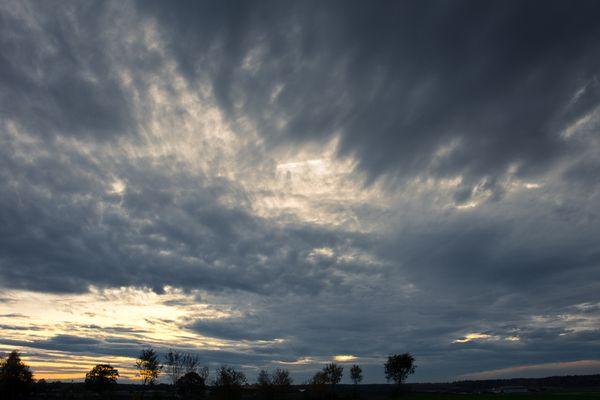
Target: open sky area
x,y
289,183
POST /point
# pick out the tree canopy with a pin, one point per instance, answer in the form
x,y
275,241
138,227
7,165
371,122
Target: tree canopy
x,y
101,377
228,383
15,377
191,385
356,374
399,366
148,366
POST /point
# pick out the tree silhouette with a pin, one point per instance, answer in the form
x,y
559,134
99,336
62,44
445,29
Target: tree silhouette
x,y
333,374
148,367
15,377
281,378
101,377
398,367
356,376
191,385
263,378
228,383
318,382
264,384
272,385
191,363
174,365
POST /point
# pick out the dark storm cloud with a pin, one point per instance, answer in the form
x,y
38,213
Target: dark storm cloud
x,y
398,81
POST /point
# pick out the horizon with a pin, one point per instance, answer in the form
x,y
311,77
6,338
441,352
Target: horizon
x,y
287,184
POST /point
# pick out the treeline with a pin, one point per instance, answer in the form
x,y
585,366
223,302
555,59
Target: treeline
x,y
189,379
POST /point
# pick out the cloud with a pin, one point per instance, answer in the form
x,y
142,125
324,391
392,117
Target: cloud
x,y
284,184
57,77
232,329
411,89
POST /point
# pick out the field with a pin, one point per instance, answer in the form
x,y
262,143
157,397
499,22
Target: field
x,y
525,396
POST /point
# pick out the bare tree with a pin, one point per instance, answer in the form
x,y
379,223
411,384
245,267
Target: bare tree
x,y
178,365
190,363
281,377
272,385
228,383
174,365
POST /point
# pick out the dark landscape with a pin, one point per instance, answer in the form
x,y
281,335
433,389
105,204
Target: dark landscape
x,y
559,387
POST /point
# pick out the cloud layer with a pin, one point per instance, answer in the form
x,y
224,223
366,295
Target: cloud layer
x,y
324,179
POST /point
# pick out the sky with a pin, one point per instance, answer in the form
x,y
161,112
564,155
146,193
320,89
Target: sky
x,y
285,184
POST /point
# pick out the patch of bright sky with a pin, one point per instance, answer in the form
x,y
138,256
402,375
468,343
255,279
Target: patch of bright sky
x,y
124,313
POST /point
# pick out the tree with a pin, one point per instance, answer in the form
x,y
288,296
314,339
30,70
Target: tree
x,y
264,384
15,377
333,374
191,385
174,365
148,367
40,386
228,383
263,378
191,363
101,377
282,381
203,372
356,374
281,377
318,382
275,384
178,364
398,367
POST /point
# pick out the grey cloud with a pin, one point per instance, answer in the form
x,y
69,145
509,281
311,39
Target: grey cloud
x,y
490,84
234,329
19,327
399,82
60,208
57,77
